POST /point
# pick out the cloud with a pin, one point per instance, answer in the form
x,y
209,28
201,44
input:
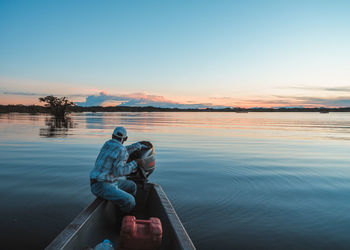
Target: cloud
x,y
338,89
330,89
21,93
338,101
277,101
140,100
341,101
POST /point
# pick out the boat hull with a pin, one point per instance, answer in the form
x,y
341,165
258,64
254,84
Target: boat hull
x,y
101,220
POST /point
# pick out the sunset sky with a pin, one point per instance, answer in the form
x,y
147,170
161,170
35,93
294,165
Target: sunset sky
x,y
176,53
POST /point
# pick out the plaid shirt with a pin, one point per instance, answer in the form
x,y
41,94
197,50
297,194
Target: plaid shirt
x,y
111,161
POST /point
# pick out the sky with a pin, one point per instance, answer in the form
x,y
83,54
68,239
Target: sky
x,y
177,53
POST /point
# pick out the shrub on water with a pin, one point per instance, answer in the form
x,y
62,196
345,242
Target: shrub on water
x,y
59,106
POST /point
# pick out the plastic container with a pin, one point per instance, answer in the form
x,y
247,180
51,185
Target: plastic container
x,y
105,245
140,234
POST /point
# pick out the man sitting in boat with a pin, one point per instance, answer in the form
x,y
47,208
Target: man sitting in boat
x,y
110,165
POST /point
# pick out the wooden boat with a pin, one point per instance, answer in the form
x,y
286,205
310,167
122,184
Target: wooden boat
x,y
101,220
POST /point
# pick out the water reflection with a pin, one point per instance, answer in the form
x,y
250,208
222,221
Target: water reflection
x,y
57,127
280,179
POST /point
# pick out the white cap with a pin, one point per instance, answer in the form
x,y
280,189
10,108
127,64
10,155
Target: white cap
x,y
120,132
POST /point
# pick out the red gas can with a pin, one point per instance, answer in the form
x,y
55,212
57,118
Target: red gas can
x,y
140,234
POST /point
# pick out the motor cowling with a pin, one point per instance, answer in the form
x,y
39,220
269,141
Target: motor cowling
x,y
144,171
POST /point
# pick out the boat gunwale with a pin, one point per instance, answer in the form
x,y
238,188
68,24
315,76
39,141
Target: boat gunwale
x,y
182,236
78,222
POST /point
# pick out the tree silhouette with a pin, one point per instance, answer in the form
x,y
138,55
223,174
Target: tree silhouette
x,y
58,105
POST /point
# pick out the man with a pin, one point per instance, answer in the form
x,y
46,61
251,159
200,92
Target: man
x,y
110,165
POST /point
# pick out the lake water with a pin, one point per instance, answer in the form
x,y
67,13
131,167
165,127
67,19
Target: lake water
x,y
236,180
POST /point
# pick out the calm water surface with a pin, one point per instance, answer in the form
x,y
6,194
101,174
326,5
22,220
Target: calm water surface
x,y
237,180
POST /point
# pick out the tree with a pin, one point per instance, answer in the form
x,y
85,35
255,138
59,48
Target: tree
x,y
58,105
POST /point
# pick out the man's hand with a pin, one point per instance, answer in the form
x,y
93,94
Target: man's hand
x,y
146,144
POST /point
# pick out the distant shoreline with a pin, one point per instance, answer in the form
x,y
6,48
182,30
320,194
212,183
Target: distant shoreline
x,y
33,109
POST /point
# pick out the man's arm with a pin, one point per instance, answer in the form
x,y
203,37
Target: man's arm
x,y
121,168
133,147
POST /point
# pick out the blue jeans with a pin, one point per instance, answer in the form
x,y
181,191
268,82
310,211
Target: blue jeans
x,y
120,193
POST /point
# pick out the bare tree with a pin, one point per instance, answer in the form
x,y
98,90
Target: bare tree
x,y
58,105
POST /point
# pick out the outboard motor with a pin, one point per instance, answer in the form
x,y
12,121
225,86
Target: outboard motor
x,y
147,155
